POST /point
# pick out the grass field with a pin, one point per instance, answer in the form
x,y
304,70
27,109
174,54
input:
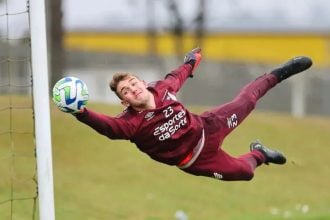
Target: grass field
x,y
101,179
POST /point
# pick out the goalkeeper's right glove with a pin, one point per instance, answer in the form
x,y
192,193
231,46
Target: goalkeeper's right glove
x,y
75,113
193,58
65,109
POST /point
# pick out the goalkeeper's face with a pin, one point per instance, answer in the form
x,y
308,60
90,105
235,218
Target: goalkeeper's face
x,y
133,92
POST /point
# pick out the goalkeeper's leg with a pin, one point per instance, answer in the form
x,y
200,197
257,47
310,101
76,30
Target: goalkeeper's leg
x,y
230,115
222,166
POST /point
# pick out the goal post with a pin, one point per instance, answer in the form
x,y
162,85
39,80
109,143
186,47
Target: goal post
x,y
41,108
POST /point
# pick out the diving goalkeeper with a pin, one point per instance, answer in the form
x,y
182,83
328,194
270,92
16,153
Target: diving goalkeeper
x,y
162,127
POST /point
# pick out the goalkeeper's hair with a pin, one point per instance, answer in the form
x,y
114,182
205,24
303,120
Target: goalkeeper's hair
x,y
117,78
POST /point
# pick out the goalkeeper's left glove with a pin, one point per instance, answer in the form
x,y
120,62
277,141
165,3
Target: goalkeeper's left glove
x,y
193,58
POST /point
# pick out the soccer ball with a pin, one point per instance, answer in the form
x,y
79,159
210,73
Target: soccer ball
x,y
70,94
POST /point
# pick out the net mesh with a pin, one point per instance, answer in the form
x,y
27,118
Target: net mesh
x,y
18,187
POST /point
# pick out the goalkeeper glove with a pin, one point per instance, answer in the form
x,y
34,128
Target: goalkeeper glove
x,y
193,58
75,113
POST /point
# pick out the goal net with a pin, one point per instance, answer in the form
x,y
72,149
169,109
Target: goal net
x,y
20,166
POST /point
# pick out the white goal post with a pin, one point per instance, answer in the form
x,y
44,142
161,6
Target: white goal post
x,y
40,68
298,99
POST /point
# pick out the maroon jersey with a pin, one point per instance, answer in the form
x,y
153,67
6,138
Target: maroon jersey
x,y
167,133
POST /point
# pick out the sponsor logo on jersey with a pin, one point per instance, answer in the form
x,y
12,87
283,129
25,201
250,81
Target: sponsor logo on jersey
x,y
175,121
149,115
169,96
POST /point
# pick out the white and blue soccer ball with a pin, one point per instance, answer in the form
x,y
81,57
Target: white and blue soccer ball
x,y
70,94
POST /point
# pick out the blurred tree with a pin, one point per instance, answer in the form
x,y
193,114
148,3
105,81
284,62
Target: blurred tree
x,y
177,28
55,40
151,29
200,22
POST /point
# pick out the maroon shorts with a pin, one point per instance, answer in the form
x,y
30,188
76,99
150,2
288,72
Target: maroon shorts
x,y
218,123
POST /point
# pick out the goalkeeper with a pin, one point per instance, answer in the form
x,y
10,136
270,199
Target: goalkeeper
x,y
163,128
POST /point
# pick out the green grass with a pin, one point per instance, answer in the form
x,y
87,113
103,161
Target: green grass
x,y
98,178
101,179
